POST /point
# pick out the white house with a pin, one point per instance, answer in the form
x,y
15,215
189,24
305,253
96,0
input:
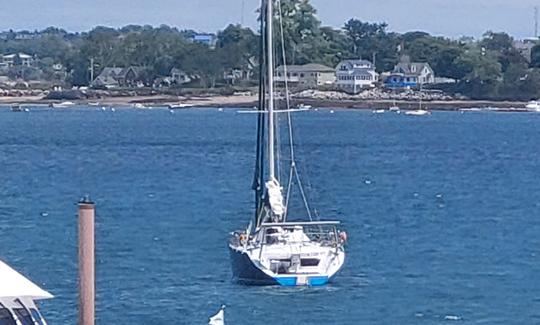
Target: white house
x,y
308,75
11,60
179,77
355,75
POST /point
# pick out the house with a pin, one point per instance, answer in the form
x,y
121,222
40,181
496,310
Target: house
x,y
107,78
206,39
524,47
121,77
19,59
355,75
179,77
132,77
309,75
410,75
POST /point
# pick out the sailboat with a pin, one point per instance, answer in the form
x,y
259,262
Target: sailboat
x,y
394,107
420,111
273,250
17,298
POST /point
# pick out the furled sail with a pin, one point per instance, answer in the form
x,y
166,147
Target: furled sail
x,y
275,197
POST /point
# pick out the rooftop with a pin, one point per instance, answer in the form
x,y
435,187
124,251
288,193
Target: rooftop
x,y
310,67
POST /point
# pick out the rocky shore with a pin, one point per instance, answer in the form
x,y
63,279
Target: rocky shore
x,y
368,99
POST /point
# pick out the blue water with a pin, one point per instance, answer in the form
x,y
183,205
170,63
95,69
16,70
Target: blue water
x,y
442,214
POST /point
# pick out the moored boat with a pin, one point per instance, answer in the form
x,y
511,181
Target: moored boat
x,y
418,112
65,104
179,106
533,105
272,250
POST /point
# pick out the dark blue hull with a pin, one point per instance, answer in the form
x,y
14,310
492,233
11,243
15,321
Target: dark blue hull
x,y
245,272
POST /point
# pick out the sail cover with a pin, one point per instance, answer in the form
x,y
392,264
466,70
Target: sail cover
x,y
13,284
275,197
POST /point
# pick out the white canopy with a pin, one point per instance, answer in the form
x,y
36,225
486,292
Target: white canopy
x,y
13,284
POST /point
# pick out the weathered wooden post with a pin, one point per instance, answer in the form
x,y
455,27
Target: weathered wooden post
x,y
86,262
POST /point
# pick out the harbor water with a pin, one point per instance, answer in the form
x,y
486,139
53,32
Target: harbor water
x,y
442,213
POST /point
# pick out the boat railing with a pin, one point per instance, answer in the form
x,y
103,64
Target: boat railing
x,y
323,232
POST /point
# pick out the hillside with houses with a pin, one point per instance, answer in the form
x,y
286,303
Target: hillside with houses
x,y
356,57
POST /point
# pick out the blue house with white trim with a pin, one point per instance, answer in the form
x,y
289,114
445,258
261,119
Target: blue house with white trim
x,y
410,75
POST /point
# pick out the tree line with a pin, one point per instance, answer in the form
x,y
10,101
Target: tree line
x,y
488,68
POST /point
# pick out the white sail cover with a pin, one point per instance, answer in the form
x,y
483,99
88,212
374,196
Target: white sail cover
x,y
219,318
275,197
13,284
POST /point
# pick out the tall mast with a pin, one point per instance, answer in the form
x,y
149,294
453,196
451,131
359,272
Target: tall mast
x,y
270,68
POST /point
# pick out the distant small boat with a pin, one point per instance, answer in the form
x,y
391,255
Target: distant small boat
x,y
303,106
418,112
16,108
379,111
62,104
93,103
533,105
394,108
474,109
140,106
179,106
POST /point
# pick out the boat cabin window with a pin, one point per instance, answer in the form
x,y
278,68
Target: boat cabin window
x,y
271,235
309,262
23,316
5,317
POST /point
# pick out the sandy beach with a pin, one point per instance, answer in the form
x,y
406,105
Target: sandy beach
x,y
251,100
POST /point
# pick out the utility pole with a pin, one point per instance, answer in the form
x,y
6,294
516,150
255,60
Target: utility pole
x,y
91,70
536,22
242,14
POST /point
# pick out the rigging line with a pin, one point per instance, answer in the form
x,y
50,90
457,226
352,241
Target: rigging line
x,y
287,99
288,194
290,127
304,198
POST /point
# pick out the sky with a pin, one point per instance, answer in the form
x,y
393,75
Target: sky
x,y
452,18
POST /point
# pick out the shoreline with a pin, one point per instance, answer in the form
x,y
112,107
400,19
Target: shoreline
x,y
252,100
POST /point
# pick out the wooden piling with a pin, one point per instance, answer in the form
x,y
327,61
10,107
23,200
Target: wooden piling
x,y
86,262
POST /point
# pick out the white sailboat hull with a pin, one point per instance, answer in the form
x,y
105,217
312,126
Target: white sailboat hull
x,y
286,263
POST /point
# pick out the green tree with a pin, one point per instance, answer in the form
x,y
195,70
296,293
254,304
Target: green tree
x,y
301,32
